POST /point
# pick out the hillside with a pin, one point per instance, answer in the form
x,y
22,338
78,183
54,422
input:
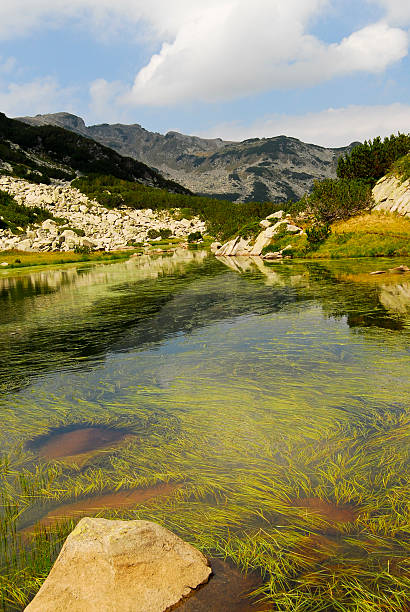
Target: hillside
x,y
341,218
276,169
49,152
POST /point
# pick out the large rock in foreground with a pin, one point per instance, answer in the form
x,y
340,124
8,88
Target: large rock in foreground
x,y
120,566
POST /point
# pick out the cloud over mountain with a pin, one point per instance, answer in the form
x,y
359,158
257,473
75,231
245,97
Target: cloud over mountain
x,y
218,50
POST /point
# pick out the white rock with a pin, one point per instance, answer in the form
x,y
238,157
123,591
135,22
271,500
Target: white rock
x,y
24,245
276,215
121,566
293,229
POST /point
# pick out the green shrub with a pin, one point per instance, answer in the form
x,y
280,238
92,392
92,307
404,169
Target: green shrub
x,y
152,234
14,216
334,199
83,250
250,230
194,236
317,234
401,168
372,159
165,233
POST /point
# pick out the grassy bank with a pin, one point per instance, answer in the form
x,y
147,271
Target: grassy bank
x,y
18,259
365,235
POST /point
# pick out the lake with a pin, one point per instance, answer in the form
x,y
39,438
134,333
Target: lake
x,y
259,410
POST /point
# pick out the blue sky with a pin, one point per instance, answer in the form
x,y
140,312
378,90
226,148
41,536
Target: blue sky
x,y
324,71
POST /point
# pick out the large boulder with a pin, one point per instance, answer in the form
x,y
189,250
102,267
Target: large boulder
x,y
121,566
392,195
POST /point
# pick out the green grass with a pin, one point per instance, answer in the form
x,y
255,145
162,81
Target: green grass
x,y
366,235
401,168
18,259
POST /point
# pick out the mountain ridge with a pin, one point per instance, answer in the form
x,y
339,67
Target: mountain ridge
x,y
51,151
278,169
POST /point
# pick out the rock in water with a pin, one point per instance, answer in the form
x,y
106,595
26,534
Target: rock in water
x,y
120,566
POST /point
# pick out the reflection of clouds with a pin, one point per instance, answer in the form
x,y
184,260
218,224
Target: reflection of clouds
x,y
396,297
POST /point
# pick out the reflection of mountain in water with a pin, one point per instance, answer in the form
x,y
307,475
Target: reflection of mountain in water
x,y
59,318
82,313
364,300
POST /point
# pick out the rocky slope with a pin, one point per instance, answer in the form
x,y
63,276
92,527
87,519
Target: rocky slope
x,y
276,169
50,152
87,224
392,195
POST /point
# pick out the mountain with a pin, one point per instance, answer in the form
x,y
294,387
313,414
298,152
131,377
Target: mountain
x,y
43,152
277,169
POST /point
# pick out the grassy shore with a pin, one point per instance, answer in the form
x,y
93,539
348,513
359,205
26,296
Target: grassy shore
x,y
18,259
366,235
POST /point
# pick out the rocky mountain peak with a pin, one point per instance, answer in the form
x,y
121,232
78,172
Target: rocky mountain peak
x,y
275,169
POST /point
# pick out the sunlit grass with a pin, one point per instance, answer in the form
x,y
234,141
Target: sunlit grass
x,y
19,259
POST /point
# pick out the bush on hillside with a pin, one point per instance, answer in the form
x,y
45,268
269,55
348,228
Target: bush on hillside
x,y
317,234
334,199
372,159
14,216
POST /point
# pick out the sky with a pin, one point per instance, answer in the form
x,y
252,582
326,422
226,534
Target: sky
x,y
328,72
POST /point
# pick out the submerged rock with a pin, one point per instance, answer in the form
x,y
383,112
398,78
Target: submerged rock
x,y
121,566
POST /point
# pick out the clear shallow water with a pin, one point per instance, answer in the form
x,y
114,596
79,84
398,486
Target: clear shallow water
x,y
246,382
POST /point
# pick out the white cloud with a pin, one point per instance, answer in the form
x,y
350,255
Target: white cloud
x,y
235,51
38,96
397,11
214,50
329,128
104,101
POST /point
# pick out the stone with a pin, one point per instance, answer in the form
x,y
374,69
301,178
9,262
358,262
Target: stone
x,y
276,215
287,248
121,566
49,224
24,245
215,246
400,269
228,247
4,264
275,255
265,223
87,242
293,229
242,248
261,241
393,196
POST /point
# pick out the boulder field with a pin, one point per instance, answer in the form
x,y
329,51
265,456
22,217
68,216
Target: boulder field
x,y
87,223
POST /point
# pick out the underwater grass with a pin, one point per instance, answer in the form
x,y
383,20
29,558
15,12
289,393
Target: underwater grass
x,y
251,418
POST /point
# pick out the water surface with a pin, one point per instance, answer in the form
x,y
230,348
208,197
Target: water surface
x,y
255,388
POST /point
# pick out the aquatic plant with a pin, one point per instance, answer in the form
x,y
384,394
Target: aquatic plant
x,y
275,462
